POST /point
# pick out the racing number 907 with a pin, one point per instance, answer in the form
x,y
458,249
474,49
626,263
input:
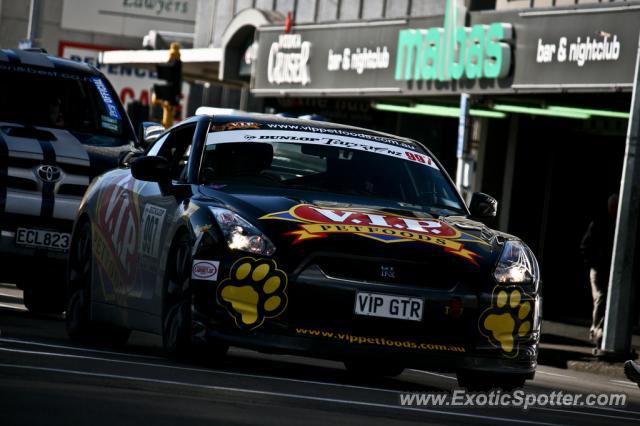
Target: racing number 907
x,y
150,229
416,157
152,220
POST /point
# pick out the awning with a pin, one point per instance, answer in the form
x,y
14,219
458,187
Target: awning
x,y
197,64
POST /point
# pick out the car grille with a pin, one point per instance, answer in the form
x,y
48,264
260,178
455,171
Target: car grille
x,y
385,271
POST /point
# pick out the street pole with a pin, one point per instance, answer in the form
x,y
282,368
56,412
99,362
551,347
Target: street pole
x,y
33,20
463,135
616,341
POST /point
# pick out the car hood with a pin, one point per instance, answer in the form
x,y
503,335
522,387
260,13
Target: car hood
x,y
78,152
303,224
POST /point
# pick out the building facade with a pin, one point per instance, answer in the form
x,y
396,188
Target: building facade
x,y
549,87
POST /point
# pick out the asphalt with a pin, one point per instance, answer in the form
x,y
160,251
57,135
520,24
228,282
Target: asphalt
x,y
47,380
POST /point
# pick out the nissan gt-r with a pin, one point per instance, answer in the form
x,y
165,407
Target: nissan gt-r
x,y
293,236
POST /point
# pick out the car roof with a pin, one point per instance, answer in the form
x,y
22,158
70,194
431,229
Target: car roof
x,y
39,58
303,125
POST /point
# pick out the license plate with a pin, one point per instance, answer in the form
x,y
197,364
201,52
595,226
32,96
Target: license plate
x,y
40,238
388,306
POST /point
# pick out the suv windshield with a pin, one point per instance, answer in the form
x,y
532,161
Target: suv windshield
x,y
317,162
59,99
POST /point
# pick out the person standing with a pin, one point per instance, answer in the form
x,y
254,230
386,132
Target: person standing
x,y
632,371
596,248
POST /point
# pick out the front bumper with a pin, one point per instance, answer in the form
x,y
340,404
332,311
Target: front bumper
x,y
318,320
20,263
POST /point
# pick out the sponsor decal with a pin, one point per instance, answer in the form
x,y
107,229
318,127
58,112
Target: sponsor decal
x,y
508,320
109,123
454,52
378,341
341,132
115,233
320,222
152,221
310,138
206,270
112,109
254,290
236,125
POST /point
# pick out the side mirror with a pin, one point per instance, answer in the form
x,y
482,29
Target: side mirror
x,y
483,205
151,169
149,132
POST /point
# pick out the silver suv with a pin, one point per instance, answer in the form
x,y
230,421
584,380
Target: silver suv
x,y
61,124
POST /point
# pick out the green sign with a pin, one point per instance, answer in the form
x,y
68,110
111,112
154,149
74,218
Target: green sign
x,y
454,52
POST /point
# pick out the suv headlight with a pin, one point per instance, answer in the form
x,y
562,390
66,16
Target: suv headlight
x,y
517,265
240,234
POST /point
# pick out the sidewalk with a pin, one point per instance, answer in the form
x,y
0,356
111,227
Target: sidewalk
x,y
568,346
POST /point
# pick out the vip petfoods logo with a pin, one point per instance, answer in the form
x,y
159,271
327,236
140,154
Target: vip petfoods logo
x,y
319,222
454,52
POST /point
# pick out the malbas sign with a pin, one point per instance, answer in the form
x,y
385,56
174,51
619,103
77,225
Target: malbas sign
x,y
454,52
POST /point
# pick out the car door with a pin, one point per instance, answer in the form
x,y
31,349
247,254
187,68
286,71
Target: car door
x,y
158,210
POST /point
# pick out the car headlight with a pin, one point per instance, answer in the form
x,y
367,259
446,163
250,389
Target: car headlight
x,y
517,265
240,234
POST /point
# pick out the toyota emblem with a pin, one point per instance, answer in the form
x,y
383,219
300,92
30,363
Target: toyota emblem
x,y
49,173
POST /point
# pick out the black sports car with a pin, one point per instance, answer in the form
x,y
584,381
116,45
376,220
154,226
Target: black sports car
x,y
295,236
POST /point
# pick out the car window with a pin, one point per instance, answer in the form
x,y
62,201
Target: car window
x,y
368,170
83,104
176,149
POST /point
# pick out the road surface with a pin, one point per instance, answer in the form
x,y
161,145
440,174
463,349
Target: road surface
x,y
47,380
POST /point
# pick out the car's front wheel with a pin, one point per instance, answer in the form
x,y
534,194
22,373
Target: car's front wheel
x,y
42,290
176,319
480,381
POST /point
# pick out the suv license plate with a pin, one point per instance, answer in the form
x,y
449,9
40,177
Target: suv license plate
x,y
389,306
40,238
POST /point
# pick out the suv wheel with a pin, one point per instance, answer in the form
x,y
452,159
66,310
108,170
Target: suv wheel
x,y
39,299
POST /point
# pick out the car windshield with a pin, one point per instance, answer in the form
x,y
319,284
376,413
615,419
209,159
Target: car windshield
x,y
56,99
335,164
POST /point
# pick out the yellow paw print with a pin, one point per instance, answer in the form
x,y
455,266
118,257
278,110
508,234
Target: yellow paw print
x,y
509,317
254,290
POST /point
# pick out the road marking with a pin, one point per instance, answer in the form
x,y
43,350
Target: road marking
x,y
587,413
199,370
434,374
276,394
554,374
16,307
624,382
75,348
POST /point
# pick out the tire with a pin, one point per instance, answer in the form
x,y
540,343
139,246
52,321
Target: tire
x,y
176,318
39,300
41,295
367,369
476,381
78,321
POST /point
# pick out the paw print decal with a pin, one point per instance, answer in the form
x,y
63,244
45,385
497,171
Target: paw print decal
x,y
508,318
254,290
